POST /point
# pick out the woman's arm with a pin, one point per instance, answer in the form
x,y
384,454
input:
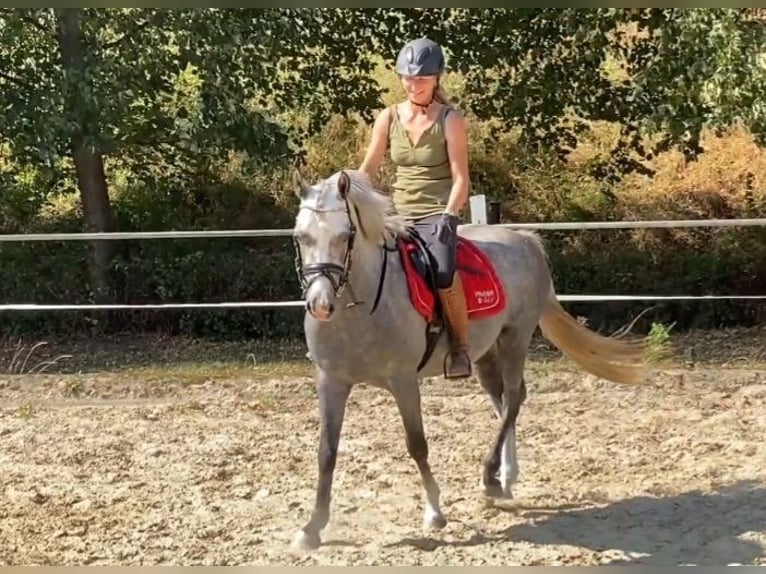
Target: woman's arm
x,y
456,132
377,147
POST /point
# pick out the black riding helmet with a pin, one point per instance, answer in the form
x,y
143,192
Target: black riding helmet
x,y
421,57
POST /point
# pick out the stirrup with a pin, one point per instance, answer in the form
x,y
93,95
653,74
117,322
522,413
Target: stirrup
x,y
452,361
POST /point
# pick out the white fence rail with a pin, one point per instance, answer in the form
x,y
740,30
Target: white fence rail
x,y
479,215
212,234
293,304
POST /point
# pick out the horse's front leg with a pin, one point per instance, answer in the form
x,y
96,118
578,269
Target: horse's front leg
x,y
333,397
407,395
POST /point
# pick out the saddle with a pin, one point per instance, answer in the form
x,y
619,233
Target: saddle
x,y
484,292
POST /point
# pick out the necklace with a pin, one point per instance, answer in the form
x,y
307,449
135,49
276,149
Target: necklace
x,y
422,108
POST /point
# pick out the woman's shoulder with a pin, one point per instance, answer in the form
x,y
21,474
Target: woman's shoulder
x,y
453,118
387,112
387,109
383,116
450,111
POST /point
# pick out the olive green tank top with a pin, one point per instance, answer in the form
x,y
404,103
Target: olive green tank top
x,y
423,179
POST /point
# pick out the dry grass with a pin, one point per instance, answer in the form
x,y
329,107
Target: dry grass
x,y
729,180
21,362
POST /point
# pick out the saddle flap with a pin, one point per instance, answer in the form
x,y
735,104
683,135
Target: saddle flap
x,y
483,289
422,259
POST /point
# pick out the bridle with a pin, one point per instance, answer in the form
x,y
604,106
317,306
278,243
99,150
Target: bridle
x,y
337,275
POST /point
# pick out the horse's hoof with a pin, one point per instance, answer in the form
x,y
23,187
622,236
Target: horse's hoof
x,y
434,521
493,490
506,493
306,540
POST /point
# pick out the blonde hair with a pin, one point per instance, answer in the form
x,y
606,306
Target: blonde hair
x,y
441,96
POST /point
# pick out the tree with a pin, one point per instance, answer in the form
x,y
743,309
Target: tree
x,y
150,86
551,71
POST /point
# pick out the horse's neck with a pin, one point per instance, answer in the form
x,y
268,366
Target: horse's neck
x,y
366,268
365,272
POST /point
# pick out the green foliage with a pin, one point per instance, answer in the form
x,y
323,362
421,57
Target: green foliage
x,y
658,340
138,93
664,73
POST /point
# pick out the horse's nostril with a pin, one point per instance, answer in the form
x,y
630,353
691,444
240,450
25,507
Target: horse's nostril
x,y
308,305
330,308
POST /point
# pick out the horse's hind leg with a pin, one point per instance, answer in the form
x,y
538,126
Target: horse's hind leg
x,y
407,395
508,367
333,397
491,379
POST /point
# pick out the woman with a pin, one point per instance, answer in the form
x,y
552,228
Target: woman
x,y
428,143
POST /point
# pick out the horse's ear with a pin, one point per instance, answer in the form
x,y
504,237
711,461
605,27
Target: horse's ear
x,y
299,184
344,183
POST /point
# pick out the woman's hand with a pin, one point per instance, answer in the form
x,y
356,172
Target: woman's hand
x,y
445,228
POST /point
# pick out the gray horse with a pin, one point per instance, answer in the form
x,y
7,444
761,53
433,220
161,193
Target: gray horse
x,y
358,331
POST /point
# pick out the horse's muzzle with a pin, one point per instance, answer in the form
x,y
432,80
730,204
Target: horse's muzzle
x,y
318,311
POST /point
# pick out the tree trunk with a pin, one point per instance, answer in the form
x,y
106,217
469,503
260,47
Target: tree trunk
x,y
88,162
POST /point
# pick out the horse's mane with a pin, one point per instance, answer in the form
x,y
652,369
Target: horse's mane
x,y
373,209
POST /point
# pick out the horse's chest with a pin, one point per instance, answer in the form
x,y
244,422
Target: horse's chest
x,y
363,348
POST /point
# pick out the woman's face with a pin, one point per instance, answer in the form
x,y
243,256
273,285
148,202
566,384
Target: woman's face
x,y
419,89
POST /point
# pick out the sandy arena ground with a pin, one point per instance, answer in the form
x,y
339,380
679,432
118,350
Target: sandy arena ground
x,y
130,469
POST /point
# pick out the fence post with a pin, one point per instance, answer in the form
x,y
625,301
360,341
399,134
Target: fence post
x,y
493,213
478,209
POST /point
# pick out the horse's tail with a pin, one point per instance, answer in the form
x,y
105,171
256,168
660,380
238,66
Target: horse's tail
x,y
617,360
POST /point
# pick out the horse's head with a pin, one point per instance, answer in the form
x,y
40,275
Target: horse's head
x,y
325,234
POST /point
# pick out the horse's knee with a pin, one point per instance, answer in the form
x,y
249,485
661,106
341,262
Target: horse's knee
x,y
515,392
327,458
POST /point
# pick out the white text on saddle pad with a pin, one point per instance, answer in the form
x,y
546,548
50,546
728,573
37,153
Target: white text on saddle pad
x,y
485,295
